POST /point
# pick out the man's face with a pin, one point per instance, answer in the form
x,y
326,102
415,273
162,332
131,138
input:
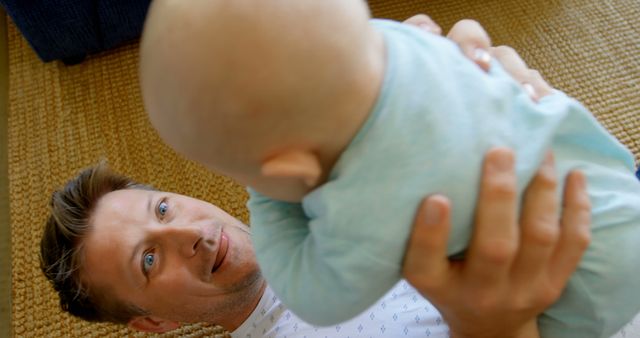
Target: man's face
x,y
178,258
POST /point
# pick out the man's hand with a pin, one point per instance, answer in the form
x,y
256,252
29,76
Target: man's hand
x,y
475,43
472,39
516,266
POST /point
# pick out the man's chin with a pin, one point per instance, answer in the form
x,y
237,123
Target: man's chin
x,y
253,280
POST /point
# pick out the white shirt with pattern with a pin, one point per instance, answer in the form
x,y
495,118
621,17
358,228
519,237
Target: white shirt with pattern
x,y
402,312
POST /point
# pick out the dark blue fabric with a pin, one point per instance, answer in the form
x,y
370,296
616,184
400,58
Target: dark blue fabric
x,y
638,173
72,29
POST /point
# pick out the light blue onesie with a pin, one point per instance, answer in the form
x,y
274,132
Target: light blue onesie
x,y
335,254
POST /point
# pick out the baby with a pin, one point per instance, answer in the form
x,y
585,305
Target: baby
x,y
330,120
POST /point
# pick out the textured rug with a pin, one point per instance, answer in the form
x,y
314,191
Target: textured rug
x,y
5,226
62,119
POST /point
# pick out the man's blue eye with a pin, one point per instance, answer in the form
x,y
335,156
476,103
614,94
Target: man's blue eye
x,y
147,261
163,207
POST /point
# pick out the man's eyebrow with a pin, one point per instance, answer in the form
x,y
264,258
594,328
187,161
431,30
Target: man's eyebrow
x,y
134,261
149,203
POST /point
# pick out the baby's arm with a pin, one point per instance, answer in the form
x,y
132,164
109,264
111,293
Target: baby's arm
x,y
306,273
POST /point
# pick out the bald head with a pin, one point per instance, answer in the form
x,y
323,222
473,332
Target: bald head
x,y
227,81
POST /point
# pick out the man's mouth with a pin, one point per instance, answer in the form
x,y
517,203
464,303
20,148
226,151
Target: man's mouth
x,y
222,252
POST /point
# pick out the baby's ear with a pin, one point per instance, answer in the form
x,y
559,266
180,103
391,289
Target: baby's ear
x,y
300,164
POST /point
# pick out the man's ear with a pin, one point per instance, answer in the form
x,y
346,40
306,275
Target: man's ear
x,y
152,324
300,164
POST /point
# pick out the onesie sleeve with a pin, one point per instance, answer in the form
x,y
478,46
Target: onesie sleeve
x,y
311,276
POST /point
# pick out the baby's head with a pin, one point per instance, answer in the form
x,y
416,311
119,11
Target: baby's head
x,y
267,92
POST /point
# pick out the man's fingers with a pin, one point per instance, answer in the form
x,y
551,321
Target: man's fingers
x,y
541,86
511,61
426,263
539,223
424,22
495,237
530,79
575,234
473,40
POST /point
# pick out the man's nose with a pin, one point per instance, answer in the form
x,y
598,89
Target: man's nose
x,y
185,239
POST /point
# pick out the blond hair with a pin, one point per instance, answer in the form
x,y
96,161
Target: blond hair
x,y
61,247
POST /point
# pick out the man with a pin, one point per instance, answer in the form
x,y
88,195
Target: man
x,y
154,259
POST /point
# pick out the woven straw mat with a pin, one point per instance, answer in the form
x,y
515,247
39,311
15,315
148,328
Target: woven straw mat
x,y
62,119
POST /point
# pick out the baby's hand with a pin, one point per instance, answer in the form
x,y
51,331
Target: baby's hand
x,y
476,45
